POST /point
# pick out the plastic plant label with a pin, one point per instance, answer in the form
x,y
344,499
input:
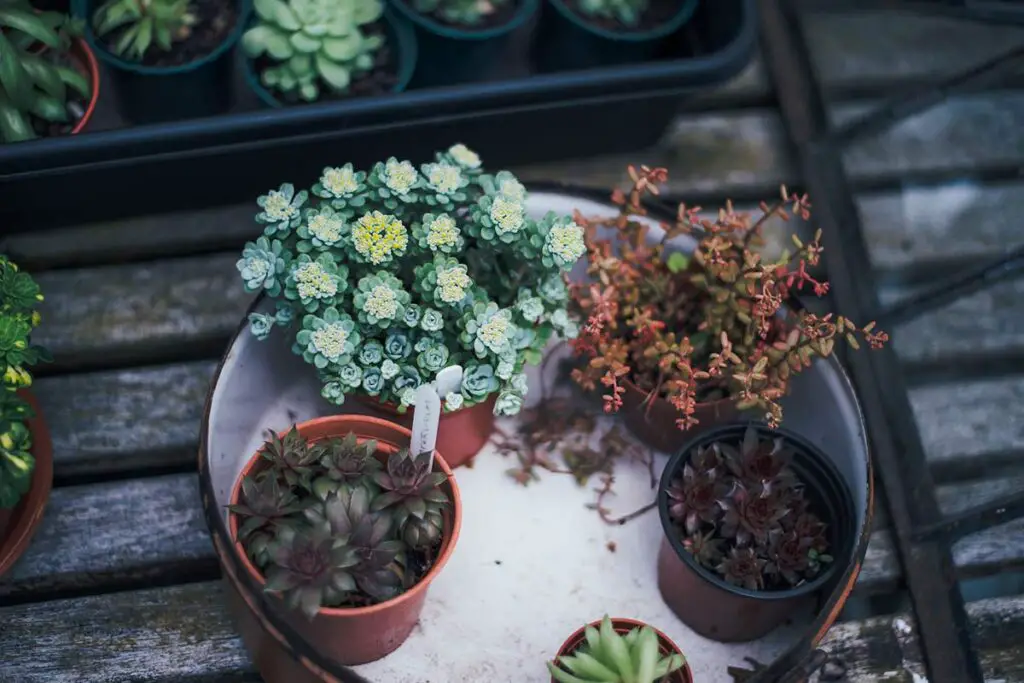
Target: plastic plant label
x,y
425,420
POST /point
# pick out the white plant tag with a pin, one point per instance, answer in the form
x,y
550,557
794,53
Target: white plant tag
x,y
425,420
449,380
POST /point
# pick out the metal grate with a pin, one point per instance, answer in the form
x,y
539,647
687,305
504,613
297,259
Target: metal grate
x,y
922,534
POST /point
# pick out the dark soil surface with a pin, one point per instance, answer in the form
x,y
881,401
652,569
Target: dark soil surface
x,y
657,13
76,103
502,16
379,80
215,19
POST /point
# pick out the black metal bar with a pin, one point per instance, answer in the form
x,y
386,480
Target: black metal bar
x,y
978,518
976,78
982,11
927,565
961,284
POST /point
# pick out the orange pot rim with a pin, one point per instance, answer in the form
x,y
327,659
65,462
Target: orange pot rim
x,y
392,409
425,580
85,54
627,624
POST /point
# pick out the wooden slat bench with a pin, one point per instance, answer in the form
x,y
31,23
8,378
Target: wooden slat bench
x,y
120,583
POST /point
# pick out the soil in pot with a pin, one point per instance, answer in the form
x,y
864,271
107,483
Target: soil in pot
x,y
215,19
357,630
757,522
623,626
460,434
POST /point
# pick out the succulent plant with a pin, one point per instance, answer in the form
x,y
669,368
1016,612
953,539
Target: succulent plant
x,y
626,12
328,526
141,24
740,507
19,295
35,85
314,45
398,271
460,12
610,657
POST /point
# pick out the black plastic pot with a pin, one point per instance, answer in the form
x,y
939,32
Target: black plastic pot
x,y
399,34
728,613
450,55
565,41
151,94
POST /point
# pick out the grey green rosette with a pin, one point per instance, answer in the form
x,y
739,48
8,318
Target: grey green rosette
x,y
391,275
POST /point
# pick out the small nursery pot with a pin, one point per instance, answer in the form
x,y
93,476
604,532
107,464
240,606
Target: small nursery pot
x,y
449,55
86,62
566,40
460,435
728,613
399,34
17,524
654,424
152,94
624,626
348,635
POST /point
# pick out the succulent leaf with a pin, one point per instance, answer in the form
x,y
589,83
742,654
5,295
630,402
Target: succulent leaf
x,y
606,656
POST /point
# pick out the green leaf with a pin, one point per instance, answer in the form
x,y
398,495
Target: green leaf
x,y
300,65
13,77
112,15
127,39
341,49
335,75
309,92
45,76
75,79
277,12
14,126
677,262
367,11
31,24
162,35
145,36
304,43
50,108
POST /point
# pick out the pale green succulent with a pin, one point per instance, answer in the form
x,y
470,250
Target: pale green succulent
x,y
465,12
315,44
609,657
627,12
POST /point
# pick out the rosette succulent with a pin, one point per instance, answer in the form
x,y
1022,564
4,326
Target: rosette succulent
x,y
607,656
465,13
329,526
434,264
740,510
19,296
305,48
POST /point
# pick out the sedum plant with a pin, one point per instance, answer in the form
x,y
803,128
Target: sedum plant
x,y
330,526
703,328
313,45
627,12
141,24
610,657
36,85
742,514
392,274
19,296
459,12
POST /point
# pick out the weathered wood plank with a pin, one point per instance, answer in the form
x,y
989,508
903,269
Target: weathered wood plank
x,y
942,228
859,51
94,314
102,535
124,420
115,533
183,634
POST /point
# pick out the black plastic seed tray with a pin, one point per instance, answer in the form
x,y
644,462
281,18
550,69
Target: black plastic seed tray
x,y
516,117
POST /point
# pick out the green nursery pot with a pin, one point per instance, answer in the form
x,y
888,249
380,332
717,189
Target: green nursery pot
x,y
151,94
566,41
449,55
400,35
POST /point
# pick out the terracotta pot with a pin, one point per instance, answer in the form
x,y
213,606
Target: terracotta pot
x,y
655,423
17,524
727,613
349,636
85,61
623,626
460,434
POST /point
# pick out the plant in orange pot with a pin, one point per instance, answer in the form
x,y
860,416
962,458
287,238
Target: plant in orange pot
x,y
50,79
391,275
348,529
26,463
680,340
